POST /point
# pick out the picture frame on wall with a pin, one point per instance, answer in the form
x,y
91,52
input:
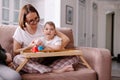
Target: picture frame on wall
x,y
69,14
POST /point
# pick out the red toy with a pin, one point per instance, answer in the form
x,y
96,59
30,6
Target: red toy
x,y
35,49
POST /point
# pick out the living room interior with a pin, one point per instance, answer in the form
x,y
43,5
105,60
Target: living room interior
x,y
95,23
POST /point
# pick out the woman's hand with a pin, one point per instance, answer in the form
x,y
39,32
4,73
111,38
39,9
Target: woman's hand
x,y
17,47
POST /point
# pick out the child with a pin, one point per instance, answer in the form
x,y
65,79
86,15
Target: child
x,y
50,41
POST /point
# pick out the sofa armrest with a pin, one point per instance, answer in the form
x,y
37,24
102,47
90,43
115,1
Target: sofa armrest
x,y
100,60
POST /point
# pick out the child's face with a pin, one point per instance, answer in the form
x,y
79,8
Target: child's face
x,y
49,31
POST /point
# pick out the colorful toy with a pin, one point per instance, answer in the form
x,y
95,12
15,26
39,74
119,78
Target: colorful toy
x,y
40,48
35,49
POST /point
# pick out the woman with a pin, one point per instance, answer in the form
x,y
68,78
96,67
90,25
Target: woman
x,y
25,34
5,72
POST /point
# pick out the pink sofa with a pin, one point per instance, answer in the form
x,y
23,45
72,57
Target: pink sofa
x,y
99,59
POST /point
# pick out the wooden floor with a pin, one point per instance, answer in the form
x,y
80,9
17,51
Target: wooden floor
x,y
115,70
115,78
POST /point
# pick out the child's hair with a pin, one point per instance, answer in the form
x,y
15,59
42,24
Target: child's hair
x,y
50,23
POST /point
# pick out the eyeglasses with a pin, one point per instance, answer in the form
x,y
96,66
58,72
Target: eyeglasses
x,y
33,21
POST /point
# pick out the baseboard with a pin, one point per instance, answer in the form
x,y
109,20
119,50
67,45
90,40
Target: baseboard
x,y
114,58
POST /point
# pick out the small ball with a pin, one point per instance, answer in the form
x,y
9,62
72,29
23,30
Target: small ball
x,y
40,48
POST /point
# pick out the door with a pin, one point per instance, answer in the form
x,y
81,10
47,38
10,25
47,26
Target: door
x,y
94,25
110,32
82,26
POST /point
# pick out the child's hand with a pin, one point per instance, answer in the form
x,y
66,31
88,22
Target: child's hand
x,y
38,42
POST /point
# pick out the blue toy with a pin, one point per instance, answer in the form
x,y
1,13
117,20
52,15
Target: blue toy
x,y
40,48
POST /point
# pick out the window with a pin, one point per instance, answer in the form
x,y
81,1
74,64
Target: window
x,y
5,3
10,11
5,13
16,11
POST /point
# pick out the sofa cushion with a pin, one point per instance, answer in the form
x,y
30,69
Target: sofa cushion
x,y
6,40
82,74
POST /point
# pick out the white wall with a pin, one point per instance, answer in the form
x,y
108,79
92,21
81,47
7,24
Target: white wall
x,y
0,11
38,4
117,32
49,10
52,11
72,3
105,8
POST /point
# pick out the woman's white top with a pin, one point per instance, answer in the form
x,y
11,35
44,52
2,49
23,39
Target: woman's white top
x,y
25,38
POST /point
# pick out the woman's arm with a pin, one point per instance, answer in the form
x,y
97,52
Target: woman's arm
x,y
65,39
17,47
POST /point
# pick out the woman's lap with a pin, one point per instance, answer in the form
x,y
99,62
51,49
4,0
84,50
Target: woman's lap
x,y
39,68
60,63
32,65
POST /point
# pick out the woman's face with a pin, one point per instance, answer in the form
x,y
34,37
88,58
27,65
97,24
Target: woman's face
x,y
32,19
49,32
